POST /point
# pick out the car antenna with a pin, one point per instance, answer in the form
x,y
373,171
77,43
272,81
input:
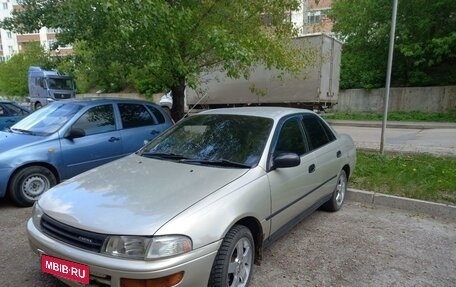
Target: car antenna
x,y
188,112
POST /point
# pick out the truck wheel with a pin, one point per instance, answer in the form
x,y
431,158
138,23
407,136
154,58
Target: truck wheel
x,y
38,106
234,261
338,197
29,183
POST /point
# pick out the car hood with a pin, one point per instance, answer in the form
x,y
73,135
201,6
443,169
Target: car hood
x,y
133,195
10,141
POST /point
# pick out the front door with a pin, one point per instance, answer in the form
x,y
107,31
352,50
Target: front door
x,y
293,188
102,142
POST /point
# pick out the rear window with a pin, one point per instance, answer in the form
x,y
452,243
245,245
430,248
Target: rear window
x,y
318,133
135,115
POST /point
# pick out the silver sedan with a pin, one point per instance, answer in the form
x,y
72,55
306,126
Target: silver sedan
x,y
195,206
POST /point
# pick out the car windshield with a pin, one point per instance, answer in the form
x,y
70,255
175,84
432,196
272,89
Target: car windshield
x,y
223,140
47,120
60,83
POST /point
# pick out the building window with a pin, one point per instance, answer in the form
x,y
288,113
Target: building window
x,y
54,30
9,35
10,49
314,17
5,6
52,44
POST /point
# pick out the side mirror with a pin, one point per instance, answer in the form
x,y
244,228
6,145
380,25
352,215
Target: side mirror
x,y
75,133
285,160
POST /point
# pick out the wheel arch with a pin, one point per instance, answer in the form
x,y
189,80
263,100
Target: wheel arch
x,y
254,225
346,168
52,168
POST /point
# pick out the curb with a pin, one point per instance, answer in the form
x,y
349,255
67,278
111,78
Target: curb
x,y
441,210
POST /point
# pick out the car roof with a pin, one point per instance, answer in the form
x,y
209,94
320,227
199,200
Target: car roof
x,y
98,100
259,111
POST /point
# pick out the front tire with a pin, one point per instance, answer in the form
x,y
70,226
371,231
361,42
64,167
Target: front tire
x,y
338,197
38,106
233,264
29,183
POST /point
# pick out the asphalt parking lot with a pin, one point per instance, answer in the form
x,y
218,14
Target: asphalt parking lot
x,y
360,245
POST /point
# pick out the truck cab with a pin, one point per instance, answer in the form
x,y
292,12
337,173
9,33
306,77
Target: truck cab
x,y
46,86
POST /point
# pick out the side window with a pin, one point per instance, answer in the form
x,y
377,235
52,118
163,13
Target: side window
x,y
39,82
12,110
96,120
318,133
135,115
158,115
2,111
290,139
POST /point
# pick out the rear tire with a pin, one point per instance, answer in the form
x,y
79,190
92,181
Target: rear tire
x,y
233,264
29,183
338,196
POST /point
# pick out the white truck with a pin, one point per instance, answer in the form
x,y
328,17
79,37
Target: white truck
x,y
46,86
315,88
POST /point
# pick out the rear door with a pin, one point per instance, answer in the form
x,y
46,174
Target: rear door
x,y
102,141
140,124
323,144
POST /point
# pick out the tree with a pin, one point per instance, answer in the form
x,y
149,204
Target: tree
x,y
425,44
160,45
13,73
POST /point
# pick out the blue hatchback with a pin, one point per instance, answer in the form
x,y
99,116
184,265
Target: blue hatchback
x,y
69,137
10,113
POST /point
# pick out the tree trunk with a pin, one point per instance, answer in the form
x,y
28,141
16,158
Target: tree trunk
x,y
178,93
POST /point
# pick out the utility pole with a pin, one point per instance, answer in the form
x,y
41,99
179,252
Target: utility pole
x,y
388,75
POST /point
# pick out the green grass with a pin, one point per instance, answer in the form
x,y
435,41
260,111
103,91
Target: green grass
x,y
422,176
394,116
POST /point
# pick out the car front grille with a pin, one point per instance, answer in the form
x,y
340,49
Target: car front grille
x,y
74,236
62,96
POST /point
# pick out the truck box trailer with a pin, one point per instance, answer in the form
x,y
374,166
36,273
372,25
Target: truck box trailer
x,y
317,87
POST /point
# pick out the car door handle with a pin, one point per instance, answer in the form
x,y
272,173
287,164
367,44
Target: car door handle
x,y
114,139
311,168
339,154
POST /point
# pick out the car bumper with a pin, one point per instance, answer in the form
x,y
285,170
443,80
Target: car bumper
x,y
105,270
4,178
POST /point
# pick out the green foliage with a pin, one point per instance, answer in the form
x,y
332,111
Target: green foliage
x,y
158,45
425,42
13,73
420,176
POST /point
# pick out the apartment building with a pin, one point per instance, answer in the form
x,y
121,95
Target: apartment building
x,y
8,40
12,43
309,18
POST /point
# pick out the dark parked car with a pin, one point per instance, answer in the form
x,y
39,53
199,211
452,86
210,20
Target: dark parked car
x,y
196,206
11,113
68,137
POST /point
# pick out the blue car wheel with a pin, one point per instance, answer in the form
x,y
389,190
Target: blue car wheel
x,y
29,183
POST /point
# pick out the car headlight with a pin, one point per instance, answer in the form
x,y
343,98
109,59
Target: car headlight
x,y
147,248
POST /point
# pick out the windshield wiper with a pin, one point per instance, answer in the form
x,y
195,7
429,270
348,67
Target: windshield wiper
x,y
27,132
218,162
164,155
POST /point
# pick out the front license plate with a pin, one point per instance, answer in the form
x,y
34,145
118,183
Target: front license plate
x,y
66,269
